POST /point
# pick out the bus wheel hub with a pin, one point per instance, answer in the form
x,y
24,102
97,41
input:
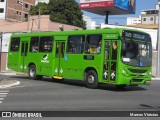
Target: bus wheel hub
x,y
91,79
32,73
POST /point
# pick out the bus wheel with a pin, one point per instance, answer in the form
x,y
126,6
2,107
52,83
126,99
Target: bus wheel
x,y
91,79
32,73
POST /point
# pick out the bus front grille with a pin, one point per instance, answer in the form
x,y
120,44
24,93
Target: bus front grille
x,y
137,80
137,71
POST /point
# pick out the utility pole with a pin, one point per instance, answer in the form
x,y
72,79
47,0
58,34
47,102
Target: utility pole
x,y
1,50
158,53
39,18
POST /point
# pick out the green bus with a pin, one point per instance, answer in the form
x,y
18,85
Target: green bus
x,y
110,56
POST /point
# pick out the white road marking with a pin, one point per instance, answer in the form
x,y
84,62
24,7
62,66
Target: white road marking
x,y
3,93
1,98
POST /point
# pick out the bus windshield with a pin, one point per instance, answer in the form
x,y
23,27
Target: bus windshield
x,y
136,53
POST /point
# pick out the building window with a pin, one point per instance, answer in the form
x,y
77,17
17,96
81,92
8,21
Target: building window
x,y
1,10
144,19
26,5
1,0
26,16
151,18
19,2
18,13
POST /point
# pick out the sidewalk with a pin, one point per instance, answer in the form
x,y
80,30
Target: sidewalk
x,y
11,72
4,83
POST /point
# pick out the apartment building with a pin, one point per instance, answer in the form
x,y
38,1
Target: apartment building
x,y
2,9
15,10
133,20
149,16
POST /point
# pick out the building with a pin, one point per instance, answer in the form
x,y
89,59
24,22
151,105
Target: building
x,y
90,24
15,10
2,9
46,1
133,20
149,16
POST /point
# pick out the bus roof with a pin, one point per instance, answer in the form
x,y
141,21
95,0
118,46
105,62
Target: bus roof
x,y
75,32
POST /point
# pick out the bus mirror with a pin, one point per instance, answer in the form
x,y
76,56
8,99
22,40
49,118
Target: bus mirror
x,y
126,59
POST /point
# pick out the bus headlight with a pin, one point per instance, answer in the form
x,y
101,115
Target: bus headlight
x,y
124,72
149,74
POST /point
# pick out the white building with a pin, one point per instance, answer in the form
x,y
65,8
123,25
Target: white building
x,y
133,20
2,9
46,1
149,16
89,23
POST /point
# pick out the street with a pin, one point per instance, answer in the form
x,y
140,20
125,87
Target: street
x,y
48,95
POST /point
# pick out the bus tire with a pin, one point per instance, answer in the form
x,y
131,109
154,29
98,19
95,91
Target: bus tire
x,y
91,79
32,73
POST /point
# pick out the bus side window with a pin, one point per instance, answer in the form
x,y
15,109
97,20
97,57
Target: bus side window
x,y
107,50
46,44
93,44
75,44
34,44
15,42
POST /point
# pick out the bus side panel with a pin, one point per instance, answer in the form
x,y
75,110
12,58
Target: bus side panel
x,y
14,54
13,60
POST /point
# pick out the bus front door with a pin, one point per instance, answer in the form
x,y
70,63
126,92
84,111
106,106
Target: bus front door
x,y
59,58
24,51
110,61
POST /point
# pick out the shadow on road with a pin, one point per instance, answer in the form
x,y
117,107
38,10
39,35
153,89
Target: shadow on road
x,y
150,107
80,83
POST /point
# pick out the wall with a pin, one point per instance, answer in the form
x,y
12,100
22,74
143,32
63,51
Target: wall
x,y
18,9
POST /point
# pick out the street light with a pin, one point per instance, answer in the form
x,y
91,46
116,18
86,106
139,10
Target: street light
x,y
158,53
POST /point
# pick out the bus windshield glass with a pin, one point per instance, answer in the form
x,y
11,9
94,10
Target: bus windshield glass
x,y
136,53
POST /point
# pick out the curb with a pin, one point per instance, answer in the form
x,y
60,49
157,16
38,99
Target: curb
x,y
17,73
10,85
155,79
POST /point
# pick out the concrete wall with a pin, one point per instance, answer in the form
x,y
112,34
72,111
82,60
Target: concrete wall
x,y
3,66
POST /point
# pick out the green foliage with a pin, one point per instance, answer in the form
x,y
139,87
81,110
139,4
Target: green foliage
x,y
43,9
64,11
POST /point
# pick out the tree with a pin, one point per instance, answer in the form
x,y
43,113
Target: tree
x,y
66,11
43,9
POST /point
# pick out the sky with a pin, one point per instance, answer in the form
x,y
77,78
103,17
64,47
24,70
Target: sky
x,y
122,19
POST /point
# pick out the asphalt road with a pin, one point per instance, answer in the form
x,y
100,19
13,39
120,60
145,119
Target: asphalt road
x,y
48,95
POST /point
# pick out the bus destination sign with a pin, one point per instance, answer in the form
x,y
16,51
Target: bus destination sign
x,y
136,35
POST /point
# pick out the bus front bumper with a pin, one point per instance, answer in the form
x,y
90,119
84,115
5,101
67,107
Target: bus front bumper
x,y
132,80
